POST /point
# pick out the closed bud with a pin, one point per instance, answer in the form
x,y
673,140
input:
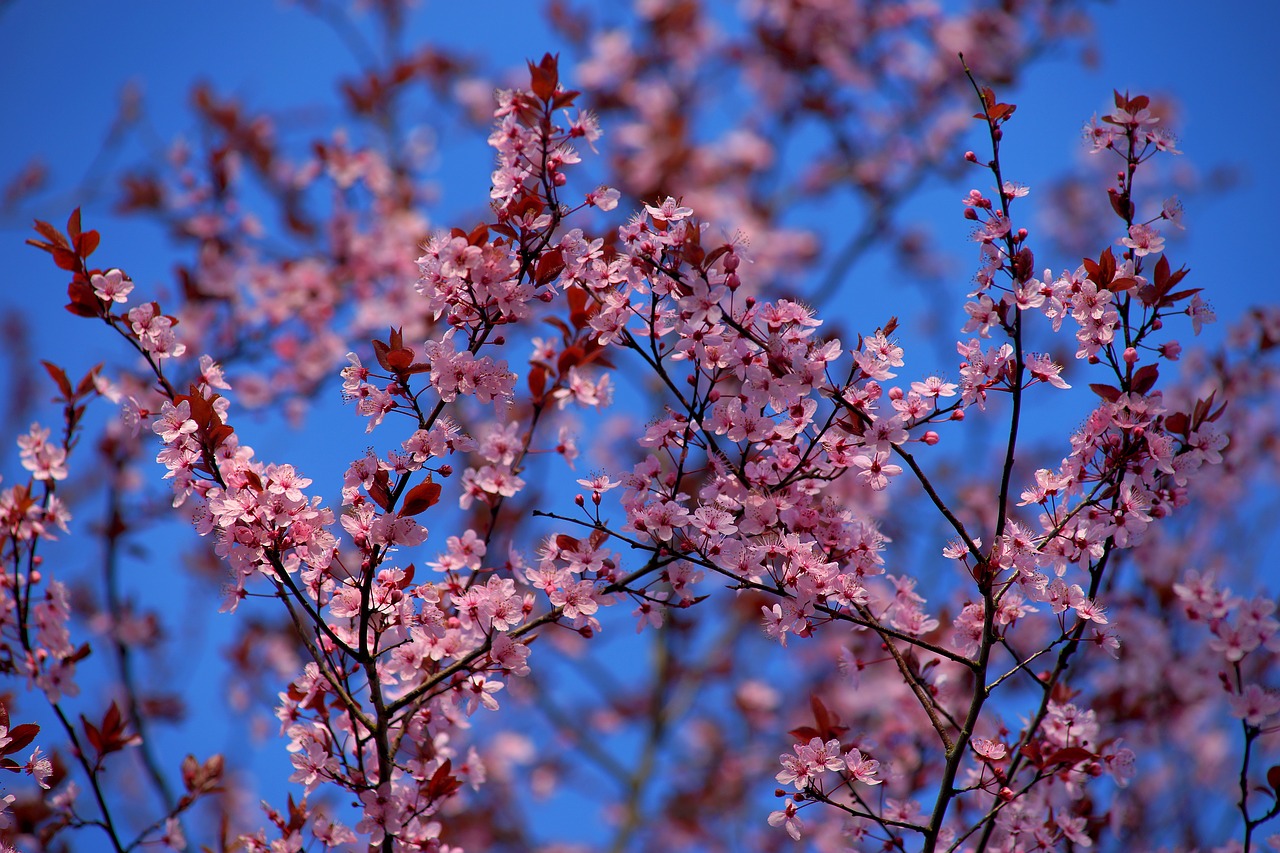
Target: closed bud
x,y
1130,355
579,500
957,415
970,213
445,470
971,157
930,438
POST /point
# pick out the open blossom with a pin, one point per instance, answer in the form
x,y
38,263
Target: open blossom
x,y
787,819
1255,704
669,210
861,768
605,198
876,469
810,761
1143,240
43,458
987,748
111,286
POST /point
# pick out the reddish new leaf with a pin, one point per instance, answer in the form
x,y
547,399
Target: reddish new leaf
x,y
420,498
1110,393
1144,378
20,738
60,379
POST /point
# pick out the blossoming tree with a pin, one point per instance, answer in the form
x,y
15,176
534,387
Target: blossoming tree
x,y
784,611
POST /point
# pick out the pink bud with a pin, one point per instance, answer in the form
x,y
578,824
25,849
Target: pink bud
x,y
971,157
970,213
1130,355
895,393
445,470
931,438
957,415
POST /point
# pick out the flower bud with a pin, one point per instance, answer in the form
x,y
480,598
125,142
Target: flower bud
x,y
971,157
1130,355
931,438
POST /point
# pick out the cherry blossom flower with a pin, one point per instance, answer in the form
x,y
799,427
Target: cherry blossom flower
x,y
1143,240
111,286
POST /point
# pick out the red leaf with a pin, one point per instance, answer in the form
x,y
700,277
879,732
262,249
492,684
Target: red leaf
x,y
53,235
569,358
380,491
1070,755
59,377
544,77
92,735
443,782
537,382
20,737
1107,392
66,259
1144,378
549,266
87,243
420,498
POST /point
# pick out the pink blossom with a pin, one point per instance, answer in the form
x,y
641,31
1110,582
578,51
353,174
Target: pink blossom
x,y
111,286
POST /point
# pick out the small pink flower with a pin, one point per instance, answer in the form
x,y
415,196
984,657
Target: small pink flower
x,y
1143,240
987,748
111,286
669,211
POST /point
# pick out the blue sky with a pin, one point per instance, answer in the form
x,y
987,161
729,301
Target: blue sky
x,y
65,63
